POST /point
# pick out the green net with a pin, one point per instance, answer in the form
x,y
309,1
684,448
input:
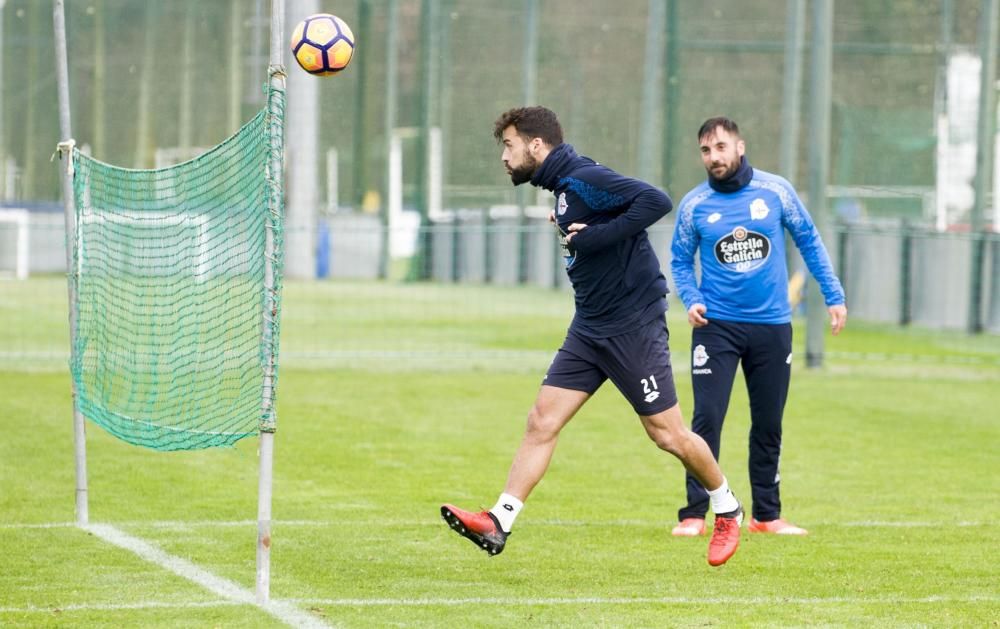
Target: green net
x,y
177,274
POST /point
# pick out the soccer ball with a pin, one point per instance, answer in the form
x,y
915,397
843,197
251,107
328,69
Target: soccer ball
x,y
322,44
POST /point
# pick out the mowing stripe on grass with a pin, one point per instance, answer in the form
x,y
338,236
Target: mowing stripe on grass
x,y
513,601
112,607
219,586
656,600
435,521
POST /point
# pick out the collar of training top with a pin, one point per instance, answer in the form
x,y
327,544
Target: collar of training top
x,y
736,181
559,161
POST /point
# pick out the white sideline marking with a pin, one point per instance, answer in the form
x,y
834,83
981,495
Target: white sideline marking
x,y
664,600
224,588
434,520
455,602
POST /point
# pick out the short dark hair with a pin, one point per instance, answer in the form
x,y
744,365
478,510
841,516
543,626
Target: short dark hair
x,y
530,122
710,125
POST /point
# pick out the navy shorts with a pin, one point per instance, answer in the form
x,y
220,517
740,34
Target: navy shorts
x,y
638,363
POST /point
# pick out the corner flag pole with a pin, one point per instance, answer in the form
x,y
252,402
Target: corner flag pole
x,y
276,84
66,153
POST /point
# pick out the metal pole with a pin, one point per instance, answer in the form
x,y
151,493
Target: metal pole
x,y
234,110
791,105
673,89
985,131
144,103
941,116
652,93
256,59
3,145
429,23
276,82
66,149
361,127
529,91
302,192
264,490
188,69
445,98
391,88
98,108
795,28
819,108
906,275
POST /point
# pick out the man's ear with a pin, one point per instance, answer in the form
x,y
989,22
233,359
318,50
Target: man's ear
x,y
535,145
741,148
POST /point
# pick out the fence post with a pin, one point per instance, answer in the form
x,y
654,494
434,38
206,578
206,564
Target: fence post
x,y
985,131
905,273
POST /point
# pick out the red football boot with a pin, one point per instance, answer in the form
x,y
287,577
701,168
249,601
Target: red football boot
x,y
725,537
481,528
689,527
778,527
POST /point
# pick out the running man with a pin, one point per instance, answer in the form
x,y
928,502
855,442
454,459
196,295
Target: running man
x,y
618,332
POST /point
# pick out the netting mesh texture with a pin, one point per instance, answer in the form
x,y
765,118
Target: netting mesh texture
x,y
177,313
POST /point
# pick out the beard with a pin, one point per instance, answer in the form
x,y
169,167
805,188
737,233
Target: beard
x,y
524,172
731,169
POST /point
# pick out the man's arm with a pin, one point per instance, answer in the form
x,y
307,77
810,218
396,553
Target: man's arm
x,y
648,205
800,225
683,248
807,238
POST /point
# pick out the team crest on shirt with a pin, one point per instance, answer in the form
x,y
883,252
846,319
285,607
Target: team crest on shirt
x,y
742,250
758,209
561,204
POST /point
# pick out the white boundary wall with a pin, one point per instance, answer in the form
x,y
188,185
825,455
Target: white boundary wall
x,y
19,219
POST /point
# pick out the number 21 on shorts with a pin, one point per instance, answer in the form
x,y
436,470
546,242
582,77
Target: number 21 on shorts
x,y
650,388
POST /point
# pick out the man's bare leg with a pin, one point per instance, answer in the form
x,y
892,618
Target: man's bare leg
x,y
552,410
668,432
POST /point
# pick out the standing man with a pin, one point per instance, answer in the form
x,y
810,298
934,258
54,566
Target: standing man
x,y
618,331
740,312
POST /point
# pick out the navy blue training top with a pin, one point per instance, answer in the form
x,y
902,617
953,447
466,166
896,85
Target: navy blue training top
x,y
614,271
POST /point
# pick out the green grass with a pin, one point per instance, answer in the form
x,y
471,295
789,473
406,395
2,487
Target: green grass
x,y
395,398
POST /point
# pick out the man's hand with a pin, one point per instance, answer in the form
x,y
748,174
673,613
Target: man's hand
x,y
572,230
695,316
838,318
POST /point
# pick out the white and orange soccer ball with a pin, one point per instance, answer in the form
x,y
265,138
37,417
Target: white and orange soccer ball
x,y
322,44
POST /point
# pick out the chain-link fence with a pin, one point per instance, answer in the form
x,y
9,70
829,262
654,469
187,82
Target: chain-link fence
x,y
151,82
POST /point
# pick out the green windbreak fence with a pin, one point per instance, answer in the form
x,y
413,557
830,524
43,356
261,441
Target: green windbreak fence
x,y
177,308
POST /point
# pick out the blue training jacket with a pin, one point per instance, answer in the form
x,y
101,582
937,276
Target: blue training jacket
x,y
740,243
614,271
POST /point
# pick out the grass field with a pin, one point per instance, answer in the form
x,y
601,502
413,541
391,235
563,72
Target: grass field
x,y
396,398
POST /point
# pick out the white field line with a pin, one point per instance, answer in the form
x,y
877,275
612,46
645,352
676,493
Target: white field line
x,y
433,520
513,601
286,610
224,588
654,600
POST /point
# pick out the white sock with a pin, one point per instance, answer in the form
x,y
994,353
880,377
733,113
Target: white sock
x,y
506,511
723,500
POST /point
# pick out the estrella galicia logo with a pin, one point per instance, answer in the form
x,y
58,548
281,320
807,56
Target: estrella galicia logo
x,y
742,250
